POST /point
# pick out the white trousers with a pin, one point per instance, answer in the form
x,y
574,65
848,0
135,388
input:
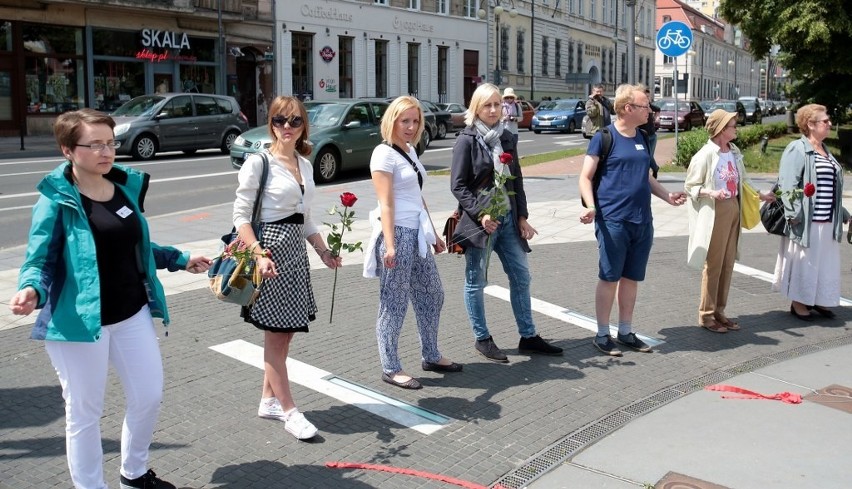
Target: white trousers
x,y
131,347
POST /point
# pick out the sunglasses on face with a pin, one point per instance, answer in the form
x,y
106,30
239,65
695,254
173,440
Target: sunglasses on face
x,y
294,121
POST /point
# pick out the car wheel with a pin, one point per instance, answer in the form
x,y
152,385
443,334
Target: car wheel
x,y
426,138
326,165
228,140
537,131
442,131
572,126
189,151
144,148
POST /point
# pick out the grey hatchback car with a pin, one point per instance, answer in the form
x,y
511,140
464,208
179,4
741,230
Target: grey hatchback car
x,y
186,122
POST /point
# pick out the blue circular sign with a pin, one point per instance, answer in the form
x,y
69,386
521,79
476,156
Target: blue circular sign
x,y
674,38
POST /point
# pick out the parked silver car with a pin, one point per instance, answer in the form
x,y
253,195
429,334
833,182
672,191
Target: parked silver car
x,y
186,122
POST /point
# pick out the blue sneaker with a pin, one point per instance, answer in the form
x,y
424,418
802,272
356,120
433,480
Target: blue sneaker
x,y
606,345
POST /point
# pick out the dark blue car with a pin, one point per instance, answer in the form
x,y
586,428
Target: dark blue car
x,y
559,115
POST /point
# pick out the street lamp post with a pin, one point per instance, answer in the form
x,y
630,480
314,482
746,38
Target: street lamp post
x,y
690,56
631,41
732,93
495,7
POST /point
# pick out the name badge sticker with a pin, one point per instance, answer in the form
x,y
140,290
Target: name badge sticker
x,y
124,212
640,147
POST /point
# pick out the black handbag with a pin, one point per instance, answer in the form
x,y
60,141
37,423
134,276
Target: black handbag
x,y
772,216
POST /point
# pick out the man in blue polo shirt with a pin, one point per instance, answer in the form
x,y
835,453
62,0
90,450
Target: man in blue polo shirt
x,y
621,212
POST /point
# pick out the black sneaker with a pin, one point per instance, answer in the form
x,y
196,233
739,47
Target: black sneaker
x,y
489,350
147,481
606,345
631,341
537,345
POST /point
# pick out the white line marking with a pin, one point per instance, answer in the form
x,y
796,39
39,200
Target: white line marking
x,y
768,277
314,378
563,314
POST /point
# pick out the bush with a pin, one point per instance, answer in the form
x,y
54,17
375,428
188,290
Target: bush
x,y
690,142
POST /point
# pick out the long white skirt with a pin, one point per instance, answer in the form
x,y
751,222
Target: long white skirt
x,y
810,275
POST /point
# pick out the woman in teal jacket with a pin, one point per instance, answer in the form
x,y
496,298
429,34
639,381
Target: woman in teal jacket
x,y
91,269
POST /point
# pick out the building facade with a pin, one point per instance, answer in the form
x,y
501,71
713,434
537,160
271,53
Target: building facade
x,y
718,64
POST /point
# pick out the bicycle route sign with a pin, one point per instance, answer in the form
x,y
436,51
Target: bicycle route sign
x,y
674,38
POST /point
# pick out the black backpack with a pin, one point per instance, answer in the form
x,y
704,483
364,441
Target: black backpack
x,y
606,147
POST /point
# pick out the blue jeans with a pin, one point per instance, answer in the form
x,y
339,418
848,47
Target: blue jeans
x,y
506,242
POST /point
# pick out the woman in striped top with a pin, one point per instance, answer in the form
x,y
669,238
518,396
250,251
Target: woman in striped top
x,y
808,267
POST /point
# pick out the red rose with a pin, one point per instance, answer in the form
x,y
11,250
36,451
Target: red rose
x,y
348,199
809,190
506,158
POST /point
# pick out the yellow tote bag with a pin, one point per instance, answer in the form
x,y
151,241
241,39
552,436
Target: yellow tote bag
x,y
749,207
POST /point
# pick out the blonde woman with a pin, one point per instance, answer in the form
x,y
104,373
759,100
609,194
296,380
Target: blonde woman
x,y
476,159
398,252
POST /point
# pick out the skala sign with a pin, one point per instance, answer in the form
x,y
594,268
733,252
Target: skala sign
x,y
152,38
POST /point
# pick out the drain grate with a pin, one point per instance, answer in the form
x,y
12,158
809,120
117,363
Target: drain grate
x,y
795,352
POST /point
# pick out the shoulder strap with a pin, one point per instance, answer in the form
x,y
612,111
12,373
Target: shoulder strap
x,y
411,162
264,175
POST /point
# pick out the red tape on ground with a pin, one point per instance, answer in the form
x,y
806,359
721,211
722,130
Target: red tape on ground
x,y
411,472
786,397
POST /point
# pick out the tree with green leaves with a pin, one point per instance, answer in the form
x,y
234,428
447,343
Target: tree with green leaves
x,y
814,37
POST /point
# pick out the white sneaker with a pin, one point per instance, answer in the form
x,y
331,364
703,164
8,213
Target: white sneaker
x,y
298,426
270,408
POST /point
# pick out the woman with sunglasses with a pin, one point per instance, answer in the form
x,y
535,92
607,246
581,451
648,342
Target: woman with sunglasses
x,y
398,251
807,270
286,303
92,270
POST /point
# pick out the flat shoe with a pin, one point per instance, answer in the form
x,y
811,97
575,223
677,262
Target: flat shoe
x,y
729,325
437,367
824,312
411,383
803,317
714,327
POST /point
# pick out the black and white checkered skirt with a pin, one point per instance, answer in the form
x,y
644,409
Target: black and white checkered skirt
x,y
286,302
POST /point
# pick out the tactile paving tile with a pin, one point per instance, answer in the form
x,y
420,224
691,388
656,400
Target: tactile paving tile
x,y
673,480
834,396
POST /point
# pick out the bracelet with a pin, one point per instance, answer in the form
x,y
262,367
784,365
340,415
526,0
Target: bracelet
x,y
592,208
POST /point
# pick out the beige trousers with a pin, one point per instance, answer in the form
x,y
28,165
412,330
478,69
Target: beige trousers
x,y
719,265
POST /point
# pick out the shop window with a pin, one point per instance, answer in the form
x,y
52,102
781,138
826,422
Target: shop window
x,y
198,79
345,67
116,82
413,69
46,39
302,66
54,84
381,69
443,62
116,43
5,36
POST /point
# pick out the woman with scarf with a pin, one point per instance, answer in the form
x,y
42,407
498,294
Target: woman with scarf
x,y
478,161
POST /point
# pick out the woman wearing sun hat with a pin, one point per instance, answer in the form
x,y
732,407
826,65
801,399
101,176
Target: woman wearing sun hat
x,y
714,183
512,113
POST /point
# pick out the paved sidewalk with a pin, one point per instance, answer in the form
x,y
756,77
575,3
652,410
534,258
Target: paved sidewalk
x,y
578,421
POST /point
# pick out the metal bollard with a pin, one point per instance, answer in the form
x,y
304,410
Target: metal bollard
x,y
764,141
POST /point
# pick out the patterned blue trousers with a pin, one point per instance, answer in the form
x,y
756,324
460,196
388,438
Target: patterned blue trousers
x,y
413,277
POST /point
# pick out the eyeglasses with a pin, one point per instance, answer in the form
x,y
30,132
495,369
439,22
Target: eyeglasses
x,y
101,147
295,121
824,121
646,107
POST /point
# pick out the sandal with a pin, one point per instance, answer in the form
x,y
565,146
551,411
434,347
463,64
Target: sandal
x,y
728,324
714,327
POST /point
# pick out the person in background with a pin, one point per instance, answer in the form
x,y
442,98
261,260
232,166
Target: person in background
x,y
512,113
398,251
599,109
807,270
476,159
286,303
92,270
650,127
714,183
621,211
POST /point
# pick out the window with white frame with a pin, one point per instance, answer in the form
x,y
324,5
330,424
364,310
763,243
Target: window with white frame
x,y
470,8
443,7
504,48
380,2
414,4
571,7
592,6
413,69
612,12
580,5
